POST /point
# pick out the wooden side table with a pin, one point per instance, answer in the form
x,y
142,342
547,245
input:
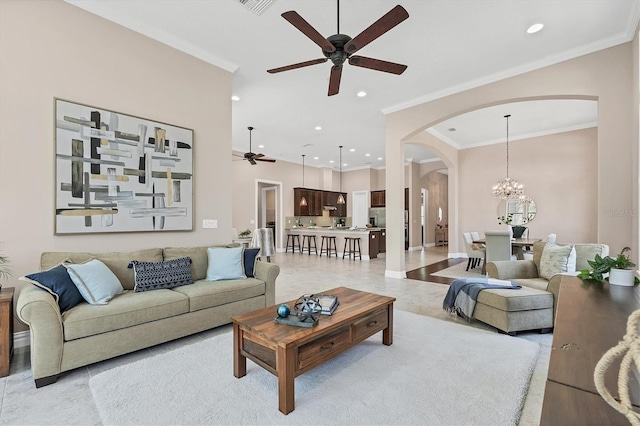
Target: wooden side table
x,y
6,329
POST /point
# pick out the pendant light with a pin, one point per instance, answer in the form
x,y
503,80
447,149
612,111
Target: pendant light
x,y
507,188
303,201
340,197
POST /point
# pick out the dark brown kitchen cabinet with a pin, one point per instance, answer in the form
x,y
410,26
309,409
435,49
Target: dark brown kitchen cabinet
x,y
382,244
378,198
374,244
316,200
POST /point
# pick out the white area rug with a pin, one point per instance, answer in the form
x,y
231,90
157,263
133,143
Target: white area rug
x,y
435,373
458,271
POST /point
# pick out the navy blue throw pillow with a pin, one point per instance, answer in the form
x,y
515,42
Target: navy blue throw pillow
x,y
250,261
58,282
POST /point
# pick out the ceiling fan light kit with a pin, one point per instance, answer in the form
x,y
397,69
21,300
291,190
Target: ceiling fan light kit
x,y
339,48
251,157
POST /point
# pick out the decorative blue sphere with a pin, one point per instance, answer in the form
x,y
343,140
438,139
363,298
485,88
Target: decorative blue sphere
x,y
283,311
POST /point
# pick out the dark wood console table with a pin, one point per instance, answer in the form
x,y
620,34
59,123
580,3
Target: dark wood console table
x,y
590,320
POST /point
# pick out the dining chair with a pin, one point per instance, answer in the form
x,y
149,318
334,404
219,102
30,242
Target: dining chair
x,y
474,251
498,245
475,236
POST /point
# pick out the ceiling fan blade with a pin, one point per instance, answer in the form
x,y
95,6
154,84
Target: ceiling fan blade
x,y
377,64
252,161
268,160
256,156
375,30
298,65
334,80
237,155
306,29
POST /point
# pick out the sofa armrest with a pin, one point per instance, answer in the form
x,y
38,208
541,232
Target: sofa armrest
x,y
554,288
512,269
267,272
40,311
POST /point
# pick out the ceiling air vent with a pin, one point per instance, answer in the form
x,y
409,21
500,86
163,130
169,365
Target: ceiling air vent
x,y
256,6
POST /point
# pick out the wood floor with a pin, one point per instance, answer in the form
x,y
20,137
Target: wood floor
x,y
424,273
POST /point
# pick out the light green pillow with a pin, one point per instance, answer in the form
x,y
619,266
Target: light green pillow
x,y
225,263
557,260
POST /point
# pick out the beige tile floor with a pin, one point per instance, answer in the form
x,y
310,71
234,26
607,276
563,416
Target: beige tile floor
x,y
69,401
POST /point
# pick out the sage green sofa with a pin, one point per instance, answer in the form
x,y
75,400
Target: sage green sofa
x,y
534,305
132,321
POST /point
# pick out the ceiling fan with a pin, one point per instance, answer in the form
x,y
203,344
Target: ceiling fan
x,y
340,47
251,157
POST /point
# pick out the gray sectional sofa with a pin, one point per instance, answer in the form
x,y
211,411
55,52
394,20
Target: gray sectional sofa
x,y
534,306
133,320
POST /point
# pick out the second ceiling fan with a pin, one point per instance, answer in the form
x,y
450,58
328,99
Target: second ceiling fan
x,y
340,47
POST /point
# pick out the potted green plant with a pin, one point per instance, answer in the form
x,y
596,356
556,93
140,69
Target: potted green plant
x,y
620,269
518,230
5,268
245,234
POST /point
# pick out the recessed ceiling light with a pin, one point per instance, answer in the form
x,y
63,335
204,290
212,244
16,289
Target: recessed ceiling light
x,y
260,146
535,28
318,128
316,158
331,161
352,150
235,98
362,94
379,158
367,155
345,165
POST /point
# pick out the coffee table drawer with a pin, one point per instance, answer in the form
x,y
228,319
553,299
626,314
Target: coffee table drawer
x,y
371,324
323,347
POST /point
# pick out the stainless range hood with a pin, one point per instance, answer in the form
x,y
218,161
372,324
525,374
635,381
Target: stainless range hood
x,y
329,208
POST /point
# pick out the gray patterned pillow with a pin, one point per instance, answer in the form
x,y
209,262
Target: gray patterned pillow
x,y
556,260
157,275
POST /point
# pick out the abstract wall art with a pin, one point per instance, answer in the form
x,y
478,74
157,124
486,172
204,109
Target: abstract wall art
x,y
120,173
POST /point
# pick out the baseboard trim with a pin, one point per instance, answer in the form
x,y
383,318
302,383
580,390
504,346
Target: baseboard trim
x,y
454,255
21,339
430,245
416,248
395,274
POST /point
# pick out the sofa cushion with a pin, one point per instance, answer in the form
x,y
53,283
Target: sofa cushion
x,y
250,255
118,262
537,283
159,275
585,252
557,260
523,299
95,281
58,283
124,311
206,294
199,258
225,263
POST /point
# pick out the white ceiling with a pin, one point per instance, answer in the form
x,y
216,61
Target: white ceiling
x,y
448,45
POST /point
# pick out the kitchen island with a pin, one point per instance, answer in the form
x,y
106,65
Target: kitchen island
x,y
369,238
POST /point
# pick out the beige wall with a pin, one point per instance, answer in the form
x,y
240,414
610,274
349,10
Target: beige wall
x,y
605,75
52,49
558,173
437,184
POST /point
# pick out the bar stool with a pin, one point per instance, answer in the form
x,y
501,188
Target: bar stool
x,y
330,246
306,241
292,240
351,242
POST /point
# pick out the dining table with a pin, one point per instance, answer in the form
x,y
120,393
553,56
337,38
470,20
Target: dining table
x,y
517,246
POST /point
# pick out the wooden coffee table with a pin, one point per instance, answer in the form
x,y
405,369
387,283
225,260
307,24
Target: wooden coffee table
x,y
288,351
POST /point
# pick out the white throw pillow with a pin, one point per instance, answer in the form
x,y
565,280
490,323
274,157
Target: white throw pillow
x,y
557,260
95,281
225,263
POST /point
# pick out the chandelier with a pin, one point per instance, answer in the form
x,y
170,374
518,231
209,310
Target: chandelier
x,y
508,188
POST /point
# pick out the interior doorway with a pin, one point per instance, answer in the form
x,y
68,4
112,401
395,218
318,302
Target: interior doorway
x,y
424,213
360,213
268,213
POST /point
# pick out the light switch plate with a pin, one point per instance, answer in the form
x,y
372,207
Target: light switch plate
x,y
209,223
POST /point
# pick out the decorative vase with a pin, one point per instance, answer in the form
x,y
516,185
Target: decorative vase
x,y
518,231
623,277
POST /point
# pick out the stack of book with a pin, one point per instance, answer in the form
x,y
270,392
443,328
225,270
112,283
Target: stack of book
x,y
329,303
